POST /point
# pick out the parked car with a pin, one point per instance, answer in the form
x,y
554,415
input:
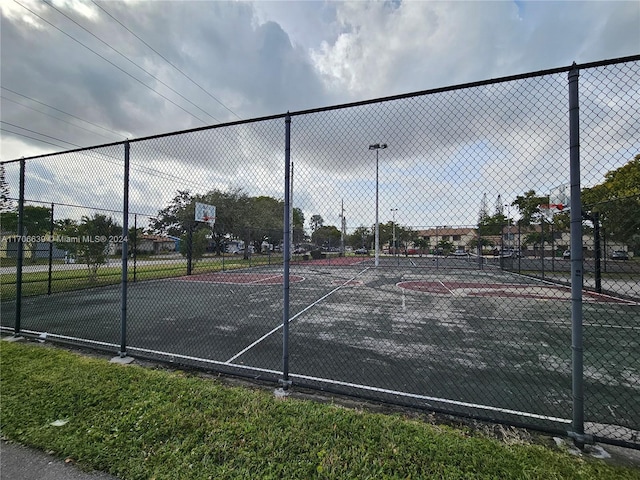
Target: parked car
x,y
362,251
566,254
299,250
619,255
459,253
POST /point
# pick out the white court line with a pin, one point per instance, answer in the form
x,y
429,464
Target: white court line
x,y
62,337
264,279
434,399
274,330
622,327
145,350
450,291
584,290
558,324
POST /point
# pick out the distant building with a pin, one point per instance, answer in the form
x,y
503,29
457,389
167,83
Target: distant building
x,y
155,244
150,244
9,249
460,237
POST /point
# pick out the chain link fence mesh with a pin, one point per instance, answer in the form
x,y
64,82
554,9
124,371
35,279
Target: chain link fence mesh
x,y
239,171
430,261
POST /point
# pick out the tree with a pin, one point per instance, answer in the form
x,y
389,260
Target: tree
x,y
483,242
499,206
176,218
236,216
259,219
386,233
298,226
492,225
361,237
326,236
36,222
537,238
316,222
134,236
484,210
444,245
90,240
6,205
423,245
406,236
199,242
617,200
529,207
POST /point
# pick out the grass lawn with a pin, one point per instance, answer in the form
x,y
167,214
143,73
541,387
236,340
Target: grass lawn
x,y
142,423
36,283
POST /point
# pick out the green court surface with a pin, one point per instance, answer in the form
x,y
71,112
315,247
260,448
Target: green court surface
x,y
483,342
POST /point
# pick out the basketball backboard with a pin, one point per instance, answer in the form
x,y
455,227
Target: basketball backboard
x,y
205,213
560,198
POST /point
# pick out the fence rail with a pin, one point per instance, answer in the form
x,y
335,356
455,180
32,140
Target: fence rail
x,y
472,250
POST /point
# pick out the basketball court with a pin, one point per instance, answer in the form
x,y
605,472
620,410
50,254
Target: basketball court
x,y
445,338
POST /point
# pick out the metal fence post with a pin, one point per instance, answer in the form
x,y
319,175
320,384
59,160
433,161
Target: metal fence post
x,y
542,246
125,253
189,247
553,248
597,251
135,245
604,247
50,253
519,247
287,249
577,359
20,252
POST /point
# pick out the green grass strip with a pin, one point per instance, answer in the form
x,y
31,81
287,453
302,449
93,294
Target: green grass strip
x,y
140,423
36,283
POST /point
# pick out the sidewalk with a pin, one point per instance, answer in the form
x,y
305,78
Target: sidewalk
x,y
22,463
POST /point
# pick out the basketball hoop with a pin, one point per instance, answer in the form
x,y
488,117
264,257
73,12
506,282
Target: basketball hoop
x,y
549,210
210,220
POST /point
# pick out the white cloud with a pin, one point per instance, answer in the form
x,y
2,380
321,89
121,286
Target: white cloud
x,y
417,45
269,57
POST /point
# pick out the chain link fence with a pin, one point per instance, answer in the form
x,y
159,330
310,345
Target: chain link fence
x,y
423,250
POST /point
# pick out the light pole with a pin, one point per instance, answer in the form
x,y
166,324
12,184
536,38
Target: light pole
x,y
509,243
393,226
436,249
376,147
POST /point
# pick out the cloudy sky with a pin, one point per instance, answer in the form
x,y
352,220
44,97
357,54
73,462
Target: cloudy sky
x,y
80,73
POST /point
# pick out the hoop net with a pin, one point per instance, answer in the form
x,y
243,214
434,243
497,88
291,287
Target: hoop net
x,y
210,220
